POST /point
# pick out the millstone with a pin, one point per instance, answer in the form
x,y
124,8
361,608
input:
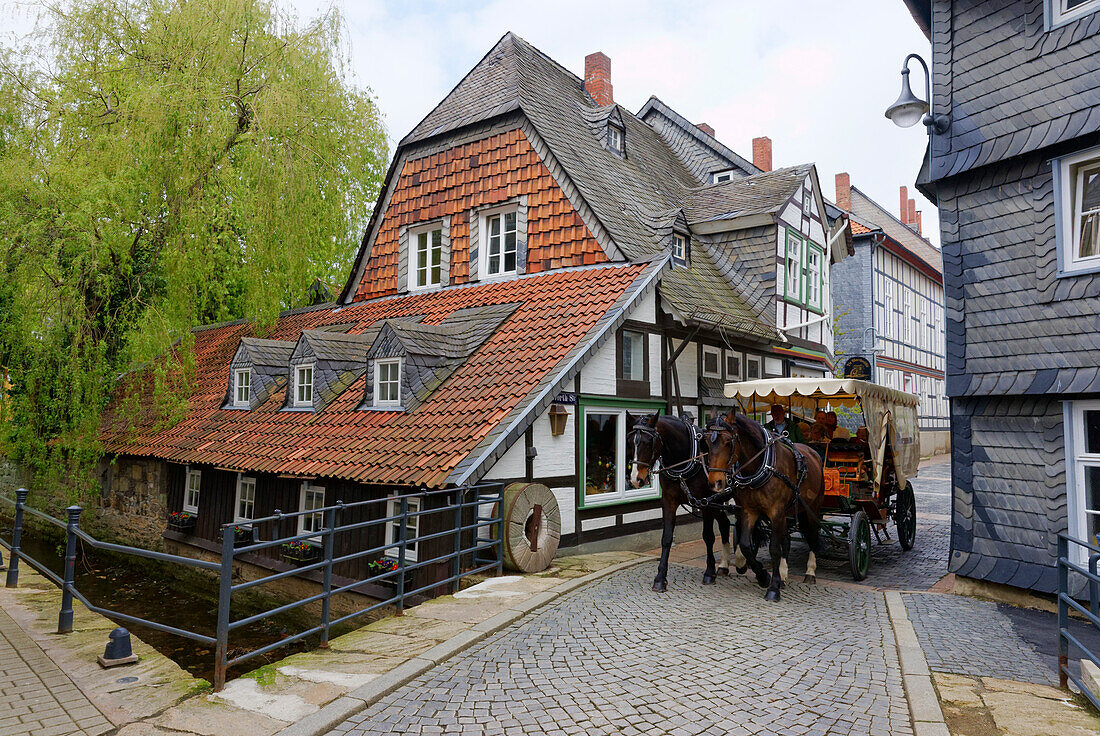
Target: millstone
x,y
520,501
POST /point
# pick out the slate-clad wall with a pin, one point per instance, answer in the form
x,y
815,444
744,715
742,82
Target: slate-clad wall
x,y
851,284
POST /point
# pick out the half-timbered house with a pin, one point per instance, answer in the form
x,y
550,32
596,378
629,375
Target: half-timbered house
x,y
537,250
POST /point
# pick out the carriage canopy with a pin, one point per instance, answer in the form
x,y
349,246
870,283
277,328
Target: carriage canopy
x,y
885,410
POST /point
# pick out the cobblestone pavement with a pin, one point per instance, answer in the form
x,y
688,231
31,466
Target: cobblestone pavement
x,y
616,658
971,637
37,698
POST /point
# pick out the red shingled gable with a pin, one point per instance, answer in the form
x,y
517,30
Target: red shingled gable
x,y
859,228
555,312
478,174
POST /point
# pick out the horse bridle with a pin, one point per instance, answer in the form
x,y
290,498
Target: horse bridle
x,y
669,470
767,466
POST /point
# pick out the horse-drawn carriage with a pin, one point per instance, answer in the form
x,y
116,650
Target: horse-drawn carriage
x,y
866,477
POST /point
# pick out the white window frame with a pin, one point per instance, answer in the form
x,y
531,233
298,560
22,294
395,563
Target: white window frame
x,y
679,247
623,490
412,527
237,400
414,253
192,508
298,384
739,375
793,279
753,360
243,480
1058,14
1076,462
484,236
637,372
615,137
315,520
1068,195
378,400
717,353
720,177
814,278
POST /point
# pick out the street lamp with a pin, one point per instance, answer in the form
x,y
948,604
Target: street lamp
x,y
908,108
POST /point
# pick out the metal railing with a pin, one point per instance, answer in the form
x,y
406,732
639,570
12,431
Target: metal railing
x,y
1066,565
472,516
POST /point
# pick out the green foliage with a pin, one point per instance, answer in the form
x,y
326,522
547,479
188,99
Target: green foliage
x,y
164,164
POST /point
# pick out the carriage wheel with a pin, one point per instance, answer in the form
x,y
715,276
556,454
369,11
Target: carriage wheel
x,y
905,516
859,545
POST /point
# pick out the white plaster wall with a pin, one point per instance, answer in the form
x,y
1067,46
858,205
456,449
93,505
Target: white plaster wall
x,y
646,308
512,465
567,498
642,516
655,366
556,455
598,374
601,523
687,369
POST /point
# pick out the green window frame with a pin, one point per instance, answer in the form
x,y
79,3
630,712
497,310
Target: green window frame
x,y
792,264
620,492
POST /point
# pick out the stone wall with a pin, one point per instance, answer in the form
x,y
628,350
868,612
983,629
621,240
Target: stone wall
x,y
133,506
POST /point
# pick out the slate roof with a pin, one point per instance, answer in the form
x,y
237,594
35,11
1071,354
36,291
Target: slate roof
x,y
701,152
868,211
758,194
268,353
556,319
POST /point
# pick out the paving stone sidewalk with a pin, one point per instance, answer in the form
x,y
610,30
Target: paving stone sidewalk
x,y
36,697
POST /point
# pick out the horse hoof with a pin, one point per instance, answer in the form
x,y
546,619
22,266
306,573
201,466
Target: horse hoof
x,y
709,579
659,586
742,570
772,596
811,579
763,579
724,572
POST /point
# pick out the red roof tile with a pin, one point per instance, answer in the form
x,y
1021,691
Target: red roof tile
x,y
555,311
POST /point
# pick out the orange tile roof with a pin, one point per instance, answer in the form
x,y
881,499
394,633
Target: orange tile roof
x,y
859,228
556,312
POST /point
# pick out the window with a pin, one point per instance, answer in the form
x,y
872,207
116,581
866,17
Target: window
x,y
907,318
191,491
606,472
313,497
752,367
1083,446
1077,197
425,269
721,176
303,385
712,362
733,366
615,138
500,244
794,267
246,499
387,382
412,528
243,386
679,247
633,356
1063,11
814,259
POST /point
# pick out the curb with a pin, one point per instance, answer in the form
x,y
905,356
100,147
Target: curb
x,y
324,720
924,703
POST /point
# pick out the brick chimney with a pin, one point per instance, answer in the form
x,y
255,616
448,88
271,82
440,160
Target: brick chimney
x,y
904,208
705,128
762,153
918,222
597,78
912,221
844,191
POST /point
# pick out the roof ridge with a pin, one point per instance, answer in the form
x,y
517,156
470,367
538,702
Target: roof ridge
x,y
753,177
698,132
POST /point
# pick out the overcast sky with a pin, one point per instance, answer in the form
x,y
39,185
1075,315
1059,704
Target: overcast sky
x,y
814,76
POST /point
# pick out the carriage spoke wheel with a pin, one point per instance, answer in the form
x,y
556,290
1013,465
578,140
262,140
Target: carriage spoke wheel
x,y
905,517
859,545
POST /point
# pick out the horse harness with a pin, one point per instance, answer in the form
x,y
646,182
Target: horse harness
x,y
683,469
767,469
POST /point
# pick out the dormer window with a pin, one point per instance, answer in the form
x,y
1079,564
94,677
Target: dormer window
x,y
679,247
721,176
242,385
303,385
426,259
387,382
615,138
500,244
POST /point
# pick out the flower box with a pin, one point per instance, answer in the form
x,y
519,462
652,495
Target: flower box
x,y
243,535
300,553
182,521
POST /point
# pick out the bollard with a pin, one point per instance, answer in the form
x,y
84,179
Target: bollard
x,y
119,650
65,618
16,535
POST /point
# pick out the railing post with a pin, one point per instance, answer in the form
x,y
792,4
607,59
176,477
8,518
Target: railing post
x,y
1063,611
326,573
16,537
65,618
500,531
402,535
225,596
456,561
1094,586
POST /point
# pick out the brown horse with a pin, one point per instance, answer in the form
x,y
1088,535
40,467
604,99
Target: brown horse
x,y
674,444
764,472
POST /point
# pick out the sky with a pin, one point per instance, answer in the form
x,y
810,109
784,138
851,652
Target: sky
x,y
814,76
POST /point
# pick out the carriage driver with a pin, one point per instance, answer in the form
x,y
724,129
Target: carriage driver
x,y
779,424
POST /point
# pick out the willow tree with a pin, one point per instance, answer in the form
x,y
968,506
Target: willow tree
x,y
164,164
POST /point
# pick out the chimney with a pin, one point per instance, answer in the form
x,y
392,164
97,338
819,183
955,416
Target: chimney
x,y
918,222
705,128
597,78
762,153
844,191
904,209
912,221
